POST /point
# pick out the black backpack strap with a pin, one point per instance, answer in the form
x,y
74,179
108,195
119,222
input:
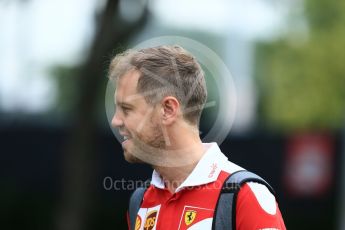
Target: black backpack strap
x,y
134,205
225,212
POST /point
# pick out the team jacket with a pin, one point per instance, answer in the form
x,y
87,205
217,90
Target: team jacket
x,y
193,203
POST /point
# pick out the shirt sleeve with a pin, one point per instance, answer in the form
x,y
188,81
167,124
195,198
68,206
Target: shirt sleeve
x,y
256,208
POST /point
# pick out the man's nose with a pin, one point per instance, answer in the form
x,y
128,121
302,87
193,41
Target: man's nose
x,y
116,122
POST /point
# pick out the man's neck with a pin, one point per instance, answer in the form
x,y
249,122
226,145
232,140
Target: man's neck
x,y
174,176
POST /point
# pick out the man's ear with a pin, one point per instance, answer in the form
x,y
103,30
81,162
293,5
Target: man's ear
x,y
170,109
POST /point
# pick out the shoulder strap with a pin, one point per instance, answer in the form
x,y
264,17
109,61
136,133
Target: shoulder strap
x,y
134,205
225,212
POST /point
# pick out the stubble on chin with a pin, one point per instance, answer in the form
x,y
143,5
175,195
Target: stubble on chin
x,y
147,147
131,158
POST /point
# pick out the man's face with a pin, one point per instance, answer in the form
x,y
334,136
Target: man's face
x,y
137,121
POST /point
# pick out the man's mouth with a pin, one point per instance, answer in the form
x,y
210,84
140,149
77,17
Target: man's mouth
x,y
125,137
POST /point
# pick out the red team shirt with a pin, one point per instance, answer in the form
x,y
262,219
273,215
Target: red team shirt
x,y
193,203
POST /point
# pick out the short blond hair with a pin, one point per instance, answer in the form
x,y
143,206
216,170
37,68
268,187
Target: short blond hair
x,y
165,71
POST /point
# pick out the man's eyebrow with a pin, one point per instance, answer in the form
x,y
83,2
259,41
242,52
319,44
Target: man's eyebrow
x,y
124,104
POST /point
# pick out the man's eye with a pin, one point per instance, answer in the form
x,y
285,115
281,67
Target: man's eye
x,y
125,110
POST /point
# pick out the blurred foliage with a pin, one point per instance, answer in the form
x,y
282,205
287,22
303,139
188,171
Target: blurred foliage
x,y
66,80
301,79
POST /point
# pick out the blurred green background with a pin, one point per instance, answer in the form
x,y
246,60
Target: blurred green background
x,y
59,155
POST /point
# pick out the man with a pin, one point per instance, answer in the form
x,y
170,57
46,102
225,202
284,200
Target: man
x,y
160,93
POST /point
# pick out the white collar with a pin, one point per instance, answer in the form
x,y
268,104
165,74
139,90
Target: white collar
x,y
207,170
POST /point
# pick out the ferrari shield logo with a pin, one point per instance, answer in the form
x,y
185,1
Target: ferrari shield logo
x,y
189,217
